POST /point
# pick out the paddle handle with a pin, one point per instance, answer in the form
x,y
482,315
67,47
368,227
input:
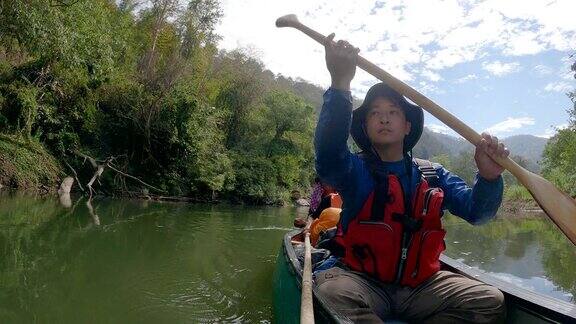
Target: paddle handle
x,y
430,106
306,305
560,207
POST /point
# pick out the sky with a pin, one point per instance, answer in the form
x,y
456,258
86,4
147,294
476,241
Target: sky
x,y
501,66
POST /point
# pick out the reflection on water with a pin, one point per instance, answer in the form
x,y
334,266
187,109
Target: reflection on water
x,y
147,262
539,284
531,253
150,262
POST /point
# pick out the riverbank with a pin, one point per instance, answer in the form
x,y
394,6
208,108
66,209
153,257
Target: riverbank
x,y
25,165
519,209
518,203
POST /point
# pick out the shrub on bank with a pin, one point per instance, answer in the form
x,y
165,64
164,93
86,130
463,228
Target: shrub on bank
x,y
26,165
517,193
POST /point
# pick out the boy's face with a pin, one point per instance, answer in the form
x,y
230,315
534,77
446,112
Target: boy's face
x,y
386,123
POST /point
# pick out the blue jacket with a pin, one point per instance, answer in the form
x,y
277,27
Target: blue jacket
x,y
351,176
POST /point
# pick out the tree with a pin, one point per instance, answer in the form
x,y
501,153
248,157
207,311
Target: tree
x,y
289,115
143,82
464,166
443,159
509,179
197,25
292,125
160,11
241,91
559,163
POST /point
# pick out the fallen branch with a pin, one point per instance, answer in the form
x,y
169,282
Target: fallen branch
x,y
133,177
75,175
89,158
101,165
97,174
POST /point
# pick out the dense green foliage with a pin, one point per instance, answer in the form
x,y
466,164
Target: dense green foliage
x,y
518,193
144,82
19,165
559,164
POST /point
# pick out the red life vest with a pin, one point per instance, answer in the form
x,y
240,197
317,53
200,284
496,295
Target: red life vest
x,y
382,245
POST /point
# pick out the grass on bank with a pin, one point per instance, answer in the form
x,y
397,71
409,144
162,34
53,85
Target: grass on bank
x,y
26,165
517,193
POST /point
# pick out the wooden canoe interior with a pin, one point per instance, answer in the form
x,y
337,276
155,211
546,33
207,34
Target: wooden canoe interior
x,y
524,306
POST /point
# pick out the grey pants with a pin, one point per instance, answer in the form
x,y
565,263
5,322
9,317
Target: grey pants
x,y
444,298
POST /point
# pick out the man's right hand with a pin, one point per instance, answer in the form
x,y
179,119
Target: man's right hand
x,y
341,60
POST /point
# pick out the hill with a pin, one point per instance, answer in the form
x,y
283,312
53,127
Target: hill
x,y
528,146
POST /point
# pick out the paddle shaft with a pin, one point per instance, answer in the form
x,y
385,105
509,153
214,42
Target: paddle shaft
x,y
447,118
564,215
306,305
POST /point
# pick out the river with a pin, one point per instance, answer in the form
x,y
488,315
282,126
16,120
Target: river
x,y
152,262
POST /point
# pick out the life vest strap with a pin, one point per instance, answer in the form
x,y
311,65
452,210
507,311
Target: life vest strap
x,y
410,224
428,172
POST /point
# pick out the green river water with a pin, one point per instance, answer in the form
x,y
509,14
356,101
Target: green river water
x,y
150,262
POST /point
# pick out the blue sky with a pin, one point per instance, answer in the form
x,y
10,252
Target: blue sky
x,y
501,66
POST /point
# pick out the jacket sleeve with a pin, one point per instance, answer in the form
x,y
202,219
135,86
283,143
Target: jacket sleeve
x,y
476,205
334,161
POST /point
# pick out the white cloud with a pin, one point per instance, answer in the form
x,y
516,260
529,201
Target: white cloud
x,y
432,76
498,68
568,75
448,57
561,86
552,131
467,78
547,133
442,129
509,125
543,69
403,37
428,88
525,43
486,87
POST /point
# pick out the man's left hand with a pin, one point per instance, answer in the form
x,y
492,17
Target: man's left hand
x,y
489,145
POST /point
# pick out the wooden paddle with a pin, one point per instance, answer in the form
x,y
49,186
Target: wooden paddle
x,y
560,207
306,305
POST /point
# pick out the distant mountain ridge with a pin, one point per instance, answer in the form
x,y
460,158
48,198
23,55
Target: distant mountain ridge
x,y
529,147
431,143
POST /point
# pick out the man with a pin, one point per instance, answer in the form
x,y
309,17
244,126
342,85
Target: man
x,y
390,235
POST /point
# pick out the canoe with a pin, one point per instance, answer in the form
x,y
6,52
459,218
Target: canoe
x,y
524,306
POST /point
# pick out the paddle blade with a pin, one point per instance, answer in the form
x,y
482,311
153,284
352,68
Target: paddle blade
x,y
560,207
287,21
